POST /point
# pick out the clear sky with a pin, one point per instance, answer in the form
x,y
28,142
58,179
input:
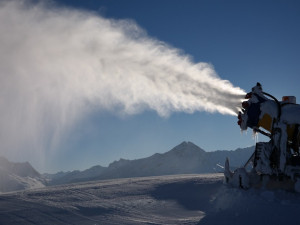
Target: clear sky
x,y
245,41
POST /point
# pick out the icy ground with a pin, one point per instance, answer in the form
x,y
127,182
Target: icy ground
x,y
178,199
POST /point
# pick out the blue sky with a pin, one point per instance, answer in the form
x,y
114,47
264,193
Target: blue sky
x,y
245,41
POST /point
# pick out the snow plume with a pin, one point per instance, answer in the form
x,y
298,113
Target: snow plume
x,y
56,64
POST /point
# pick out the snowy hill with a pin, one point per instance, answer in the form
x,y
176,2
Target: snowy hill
x,y
200,199
18,176
186,158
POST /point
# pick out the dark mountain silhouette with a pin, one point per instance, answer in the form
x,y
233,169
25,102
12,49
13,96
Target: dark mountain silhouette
x,y
185,158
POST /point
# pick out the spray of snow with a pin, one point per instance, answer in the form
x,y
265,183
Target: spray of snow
x,y
57,64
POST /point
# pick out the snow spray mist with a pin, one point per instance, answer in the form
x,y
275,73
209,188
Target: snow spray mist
x,y
58,64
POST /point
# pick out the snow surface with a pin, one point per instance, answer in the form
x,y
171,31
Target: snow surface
x,y
176,199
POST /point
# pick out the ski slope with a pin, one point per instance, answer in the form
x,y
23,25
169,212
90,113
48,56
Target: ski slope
x,y
177,199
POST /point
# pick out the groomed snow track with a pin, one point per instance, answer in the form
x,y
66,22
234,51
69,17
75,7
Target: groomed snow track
x,y
178,199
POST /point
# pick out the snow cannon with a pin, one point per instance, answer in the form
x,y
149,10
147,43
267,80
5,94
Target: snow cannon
x,y
275,163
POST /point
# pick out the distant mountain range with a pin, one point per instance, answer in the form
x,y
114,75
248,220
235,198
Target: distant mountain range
x,y
186,158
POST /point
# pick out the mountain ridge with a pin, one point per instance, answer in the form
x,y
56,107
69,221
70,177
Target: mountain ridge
x,y
185,158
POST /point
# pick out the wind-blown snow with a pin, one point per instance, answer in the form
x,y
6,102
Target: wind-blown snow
x,y
18,176
56,65
180,199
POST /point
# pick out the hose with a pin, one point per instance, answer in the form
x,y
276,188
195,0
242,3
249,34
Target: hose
x,y
277,102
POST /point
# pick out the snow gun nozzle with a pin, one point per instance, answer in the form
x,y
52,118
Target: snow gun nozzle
x,y
239,116
239,119
245,104
248,95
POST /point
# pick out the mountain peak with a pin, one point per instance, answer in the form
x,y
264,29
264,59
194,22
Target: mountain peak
x,y
187,146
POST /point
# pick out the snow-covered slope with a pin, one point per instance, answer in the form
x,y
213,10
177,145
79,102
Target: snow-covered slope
x,y
177,199
186,158
18,176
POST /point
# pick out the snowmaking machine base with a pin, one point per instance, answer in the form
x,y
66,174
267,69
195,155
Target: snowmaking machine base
x,y
274,164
